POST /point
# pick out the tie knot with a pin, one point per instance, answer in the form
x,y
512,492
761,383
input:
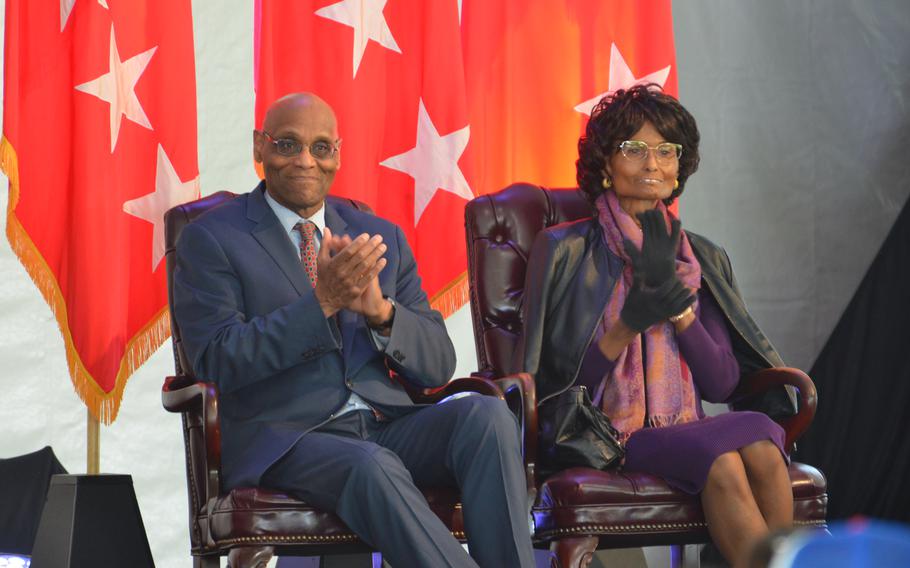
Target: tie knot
x,y
306,229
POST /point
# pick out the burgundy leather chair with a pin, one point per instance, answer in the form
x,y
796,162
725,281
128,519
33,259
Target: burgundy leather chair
x,y
579,510
250,524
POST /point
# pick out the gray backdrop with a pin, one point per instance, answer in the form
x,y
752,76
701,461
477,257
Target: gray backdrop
x,y
803,111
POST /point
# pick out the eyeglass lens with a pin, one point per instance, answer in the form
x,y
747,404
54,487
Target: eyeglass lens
x,y
289,147
638,150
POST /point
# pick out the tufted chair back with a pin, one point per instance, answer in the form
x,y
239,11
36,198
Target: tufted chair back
x,y
500,230
174,222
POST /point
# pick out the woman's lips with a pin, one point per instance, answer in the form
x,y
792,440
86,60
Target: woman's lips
x,y
650,181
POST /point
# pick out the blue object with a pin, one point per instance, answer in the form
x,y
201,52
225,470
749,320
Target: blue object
x,y
14,561
856,543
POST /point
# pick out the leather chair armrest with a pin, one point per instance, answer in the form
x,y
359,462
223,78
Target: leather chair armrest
x,y
487,374
197,401
181,394
765,379
521,396
465,384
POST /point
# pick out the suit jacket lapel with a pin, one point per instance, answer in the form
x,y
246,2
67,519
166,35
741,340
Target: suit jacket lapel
x,y
271,235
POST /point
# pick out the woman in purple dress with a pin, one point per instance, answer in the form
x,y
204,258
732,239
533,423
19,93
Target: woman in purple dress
x,y
650,319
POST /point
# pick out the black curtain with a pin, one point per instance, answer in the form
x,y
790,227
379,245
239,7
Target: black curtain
x,y
860,438
23,487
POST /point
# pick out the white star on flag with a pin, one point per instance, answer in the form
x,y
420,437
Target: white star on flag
x,y
621,77
169,192
433,163
118,87
366,17
66,7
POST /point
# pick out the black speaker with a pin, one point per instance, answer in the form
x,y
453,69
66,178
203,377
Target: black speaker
x,y
24,481
91,521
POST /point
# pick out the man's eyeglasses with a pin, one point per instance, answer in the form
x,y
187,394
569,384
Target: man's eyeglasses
x,y
664,153
321,149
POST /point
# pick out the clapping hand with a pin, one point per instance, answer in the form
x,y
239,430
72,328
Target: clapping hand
x,y
656,262
656,292
348,273
645,306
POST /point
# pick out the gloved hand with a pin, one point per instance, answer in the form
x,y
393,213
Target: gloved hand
x,y
646,306
656,262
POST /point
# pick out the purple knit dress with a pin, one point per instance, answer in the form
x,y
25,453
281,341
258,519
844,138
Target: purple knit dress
x,y
683,453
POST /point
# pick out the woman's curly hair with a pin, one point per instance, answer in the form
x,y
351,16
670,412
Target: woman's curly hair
x,y
617,117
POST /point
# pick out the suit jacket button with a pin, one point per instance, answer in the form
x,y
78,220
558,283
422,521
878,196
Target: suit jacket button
x,y
398,355
349,383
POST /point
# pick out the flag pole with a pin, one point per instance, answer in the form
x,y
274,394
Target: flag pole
x,y
93,455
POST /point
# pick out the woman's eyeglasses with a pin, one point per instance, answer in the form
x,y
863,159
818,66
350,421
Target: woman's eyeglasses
x,y
664,153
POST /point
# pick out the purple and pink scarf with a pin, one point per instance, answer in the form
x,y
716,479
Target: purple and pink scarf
x,y
650,383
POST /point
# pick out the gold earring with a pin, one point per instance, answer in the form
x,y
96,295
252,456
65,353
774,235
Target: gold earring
x,y
676,184
606,183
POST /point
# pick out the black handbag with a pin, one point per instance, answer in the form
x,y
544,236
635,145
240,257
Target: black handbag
x,y
572,433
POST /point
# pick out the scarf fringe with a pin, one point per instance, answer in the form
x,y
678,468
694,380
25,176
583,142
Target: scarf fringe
x,y
104,406
624,437
665,420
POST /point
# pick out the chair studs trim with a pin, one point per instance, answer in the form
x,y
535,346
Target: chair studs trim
x,y
618,529
265,539
594,530
290,539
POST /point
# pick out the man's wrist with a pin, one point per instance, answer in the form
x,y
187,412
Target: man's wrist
x,y
385,320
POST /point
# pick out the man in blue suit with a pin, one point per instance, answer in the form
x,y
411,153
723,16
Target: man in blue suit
x,y
296,309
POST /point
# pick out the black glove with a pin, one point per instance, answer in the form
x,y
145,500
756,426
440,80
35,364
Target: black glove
x,y
656,263
646,306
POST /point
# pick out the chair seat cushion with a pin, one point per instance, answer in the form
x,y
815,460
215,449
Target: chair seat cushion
x,y
583,501
255,516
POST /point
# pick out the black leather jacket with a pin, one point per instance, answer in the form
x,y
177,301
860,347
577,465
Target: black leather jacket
x,y
571,274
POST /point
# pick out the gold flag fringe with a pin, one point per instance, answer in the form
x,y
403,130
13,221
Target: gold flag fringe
x,y
102,405
452,297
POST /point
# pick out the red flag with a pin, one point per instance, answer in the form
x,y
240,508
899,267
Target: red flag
x,y
393,73
441,101
535,68
99,139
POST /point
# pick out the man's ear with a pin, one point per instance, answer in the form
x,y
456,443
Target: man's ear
x,y
257,146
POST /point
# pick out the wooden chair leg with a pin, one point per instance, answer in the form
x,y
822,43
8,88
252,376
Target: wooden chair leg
x,y
690,556
358,560
572,552
210,561
250,557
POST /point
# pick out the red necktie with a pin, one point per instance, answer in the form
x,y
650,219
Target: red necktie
x,y
307,232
